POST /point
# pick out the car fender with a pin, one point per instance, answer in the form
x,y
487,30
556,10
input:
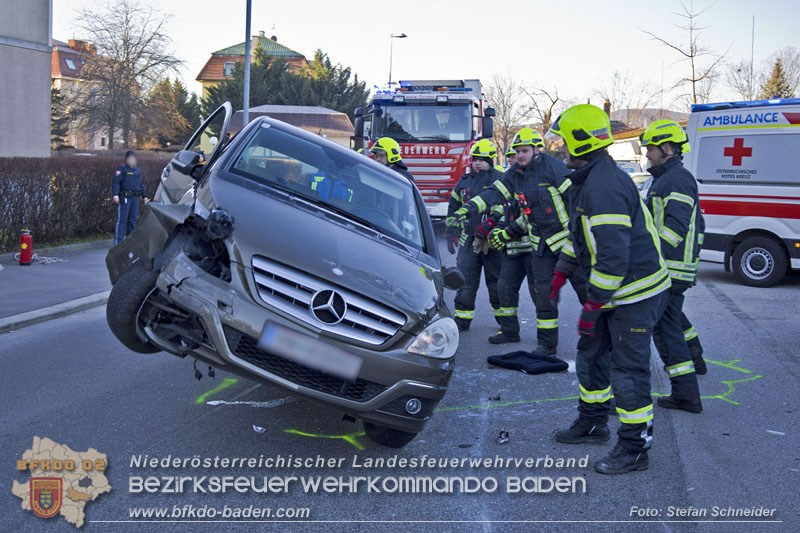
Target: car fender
x,y
147,240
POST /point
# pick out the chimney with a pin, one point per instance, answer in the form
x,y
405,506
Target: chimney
x,y
82,46
261,33
607,107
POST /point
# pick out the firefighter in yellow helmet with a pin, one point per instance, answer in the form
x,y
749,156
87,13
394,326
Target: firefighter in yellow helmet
x,y
612,236
533,192
471,233
675,206
511,156
387,152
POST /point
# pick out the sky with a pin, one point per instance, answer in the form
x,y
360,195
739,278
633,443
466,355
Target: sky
x,y
574,46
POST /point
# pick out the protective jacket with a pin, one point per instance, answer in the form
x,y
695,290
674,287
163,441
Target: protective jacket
x,y
467,187
673,201
401,168
542,185
612,236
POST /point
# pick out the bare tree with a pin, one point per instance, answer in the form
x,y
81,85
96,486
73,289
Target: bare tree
x,y
543,104
133,54
629,98
743,80
506,96
695,53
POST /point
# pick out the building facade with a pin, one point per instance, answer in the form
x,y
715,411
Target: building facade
x,y
25,34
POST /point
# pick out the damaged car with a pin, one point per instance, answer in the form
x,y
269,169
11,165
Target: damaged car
x,y
283,257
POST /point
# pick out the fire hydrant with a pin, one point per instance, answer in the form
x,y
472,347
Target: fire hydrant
x,y
25,248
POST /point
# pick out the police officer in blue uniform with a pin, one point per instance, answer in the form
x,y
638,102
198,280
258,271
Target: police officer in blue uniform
x,y
127,187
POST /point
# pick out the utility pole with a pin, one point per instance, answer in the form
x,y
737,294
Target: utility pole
x,y
752,54
247,46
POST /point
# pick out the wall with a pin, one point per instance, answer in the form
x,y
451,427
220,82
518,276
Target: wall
x,y
25,37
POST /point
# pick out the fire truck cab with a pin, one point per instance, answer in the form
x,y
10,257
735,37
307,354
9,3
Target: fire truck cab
x,y
743,158
435,122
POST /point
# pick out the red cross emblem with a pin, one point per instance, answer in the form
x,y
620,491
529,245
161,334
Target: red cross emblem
x,y
738,151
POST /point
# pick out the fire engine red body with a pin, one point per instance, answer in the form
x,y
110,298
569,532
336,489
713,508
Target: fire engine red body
x,y
25,248
435,122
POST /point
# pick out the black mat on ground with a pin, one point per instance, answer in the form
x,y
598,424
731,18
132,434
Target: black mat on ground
x,y
528,363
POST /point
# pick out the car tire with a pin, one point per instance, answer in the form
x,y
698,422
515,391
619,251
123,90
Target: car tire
x,y
122,309
389,437
759,262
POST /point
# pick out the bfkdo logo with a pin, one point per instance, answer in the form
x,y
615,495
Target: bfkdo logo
x,y
47,494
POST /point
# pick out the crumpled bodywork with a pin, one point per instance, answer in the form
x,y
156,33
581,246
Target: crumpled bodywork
x,y
147,240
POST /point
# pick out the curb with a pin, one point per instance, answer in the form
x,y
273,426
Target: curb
x,y
21,320
102,243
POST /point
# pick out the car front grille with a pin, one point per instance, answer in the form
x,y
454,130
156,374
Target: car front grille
x,y
305,297
246,348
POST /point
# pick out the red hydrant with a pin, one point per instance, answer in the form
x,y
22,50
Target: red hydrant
x,y
25,248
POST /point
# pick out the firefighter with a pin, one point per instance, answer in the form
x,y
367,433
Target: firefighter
x,y
675,206
535,184
471,235
387,152
613,237
511,156
126,189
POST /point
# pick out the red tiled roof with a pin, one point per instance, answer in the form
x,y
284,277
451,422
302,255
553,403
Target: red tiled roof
x,y
67,59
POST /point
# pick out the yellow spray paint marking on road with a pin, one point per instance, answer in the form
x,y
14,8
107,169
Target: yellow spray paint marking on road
x,y
227,382
351,438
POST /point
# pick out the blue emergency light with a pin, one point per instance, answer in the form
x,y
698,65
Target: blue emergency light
x,y
750,103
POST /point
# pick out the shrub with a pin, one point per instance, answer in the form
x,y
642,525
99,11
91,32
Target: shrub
x,y
63,198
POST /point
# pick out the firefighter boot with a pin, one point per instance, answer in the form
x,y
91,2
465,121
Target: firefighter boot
x,y
544,350
622,460
463,324
582,431
691,406
502,338
697,358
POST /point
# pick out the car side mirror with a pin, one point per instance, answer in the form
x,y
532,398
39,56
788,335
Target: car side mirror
x,y
185,161
453,278
490,112
358,124
488,127
359,112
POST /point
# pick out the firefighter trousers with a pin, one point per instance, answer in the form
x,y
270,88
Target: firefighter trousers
x,y
672,347
470,264
513,271
618,357
544,265
689,335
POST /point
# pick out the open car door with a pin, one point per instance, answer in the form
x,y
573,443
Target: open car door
x,y
205,144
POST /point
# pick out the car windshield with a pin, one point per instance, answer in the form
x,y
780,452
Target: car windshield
x,y
345,182
409,123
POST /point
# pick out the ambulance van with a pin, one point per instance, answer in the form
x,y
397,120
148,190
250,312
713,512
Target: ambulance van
x,y
745,158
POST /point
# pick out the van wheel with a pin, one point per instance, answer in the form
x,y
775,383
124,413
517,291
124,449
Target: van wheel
x,y
389,437
122,310
759,262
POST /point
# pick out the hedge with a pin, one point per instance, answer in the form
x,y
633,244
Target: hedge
x,y
63,198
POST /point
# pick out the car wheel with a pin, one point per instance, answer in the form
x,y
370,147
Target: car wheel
x,y
389,437
759,262
124,302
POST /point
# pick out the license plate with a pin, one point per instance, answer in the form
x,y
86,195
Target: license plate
x,y
309,352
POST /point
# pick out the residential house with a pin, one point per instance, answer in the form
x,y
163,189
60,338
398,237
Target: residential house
x,y
220,65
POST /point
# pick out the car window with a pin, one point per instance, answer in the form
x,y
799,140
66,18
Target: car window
x,y
345,181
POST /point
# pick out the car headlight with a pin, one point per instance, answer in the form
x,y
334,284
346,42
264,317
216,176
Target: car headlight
x,y
439,340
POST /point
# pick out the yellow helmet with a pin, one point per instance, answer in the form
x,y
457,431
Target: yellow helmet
x,y
527,136
510,151
484,148
584,128
664,131
388,145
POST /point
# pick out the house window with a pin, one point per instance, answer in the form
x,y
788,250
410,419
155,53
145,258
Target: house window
x,y
70,64
102,141
228,72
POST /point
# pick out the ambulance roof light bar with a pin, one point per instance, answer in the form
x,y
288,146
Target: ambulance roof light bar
x,y
752,103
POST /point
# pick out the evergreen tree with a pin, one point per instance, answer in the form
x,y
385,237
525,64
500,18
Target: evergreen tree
x,y
777,85
59,119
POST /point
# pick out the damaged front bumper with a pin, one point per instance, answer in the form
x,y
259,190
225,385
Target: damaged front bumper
x,y
233,322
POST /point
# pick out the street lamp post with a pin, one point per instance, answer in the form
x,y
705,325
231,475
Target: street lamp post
x,y
392,37
246,80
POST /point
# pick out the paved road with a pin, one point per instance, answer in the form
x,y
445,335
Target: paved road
x,y
70,380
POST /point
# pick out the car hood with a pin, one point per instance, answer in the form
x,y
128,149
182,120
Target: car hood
x,y
312,241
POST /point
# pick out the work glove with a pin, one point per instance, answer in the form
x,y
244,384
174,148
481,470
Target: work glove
x,y
480,246
589,316
484,228
462,213
498,238
559,279
452,244
521,225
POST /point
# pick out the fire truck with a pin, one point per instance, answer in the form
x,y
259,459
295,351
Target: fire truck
x,y
435,122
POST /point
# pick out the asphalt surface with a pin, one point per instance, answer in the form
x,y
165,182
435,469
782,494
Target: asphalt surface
x,y
70,380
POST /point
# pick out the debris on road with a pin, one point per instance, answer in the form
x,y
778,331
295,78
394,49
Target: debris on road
x,y
503,437
778,433
259,429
